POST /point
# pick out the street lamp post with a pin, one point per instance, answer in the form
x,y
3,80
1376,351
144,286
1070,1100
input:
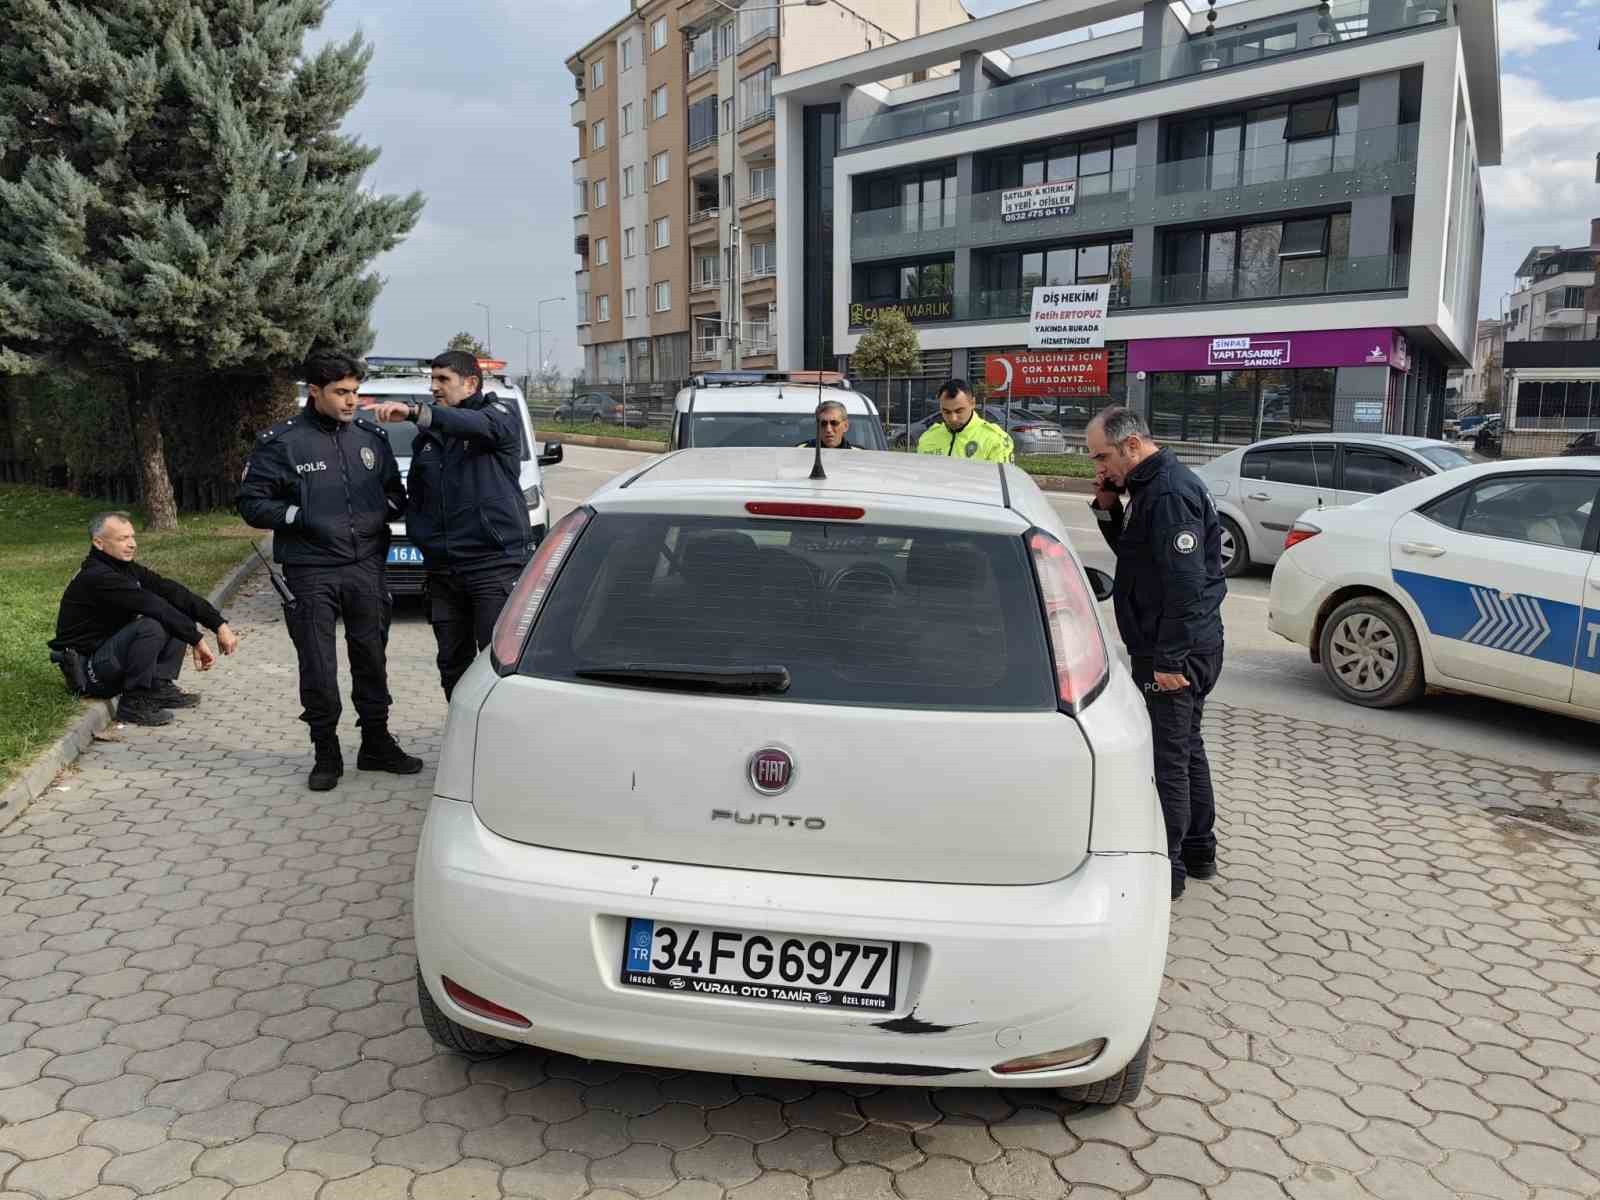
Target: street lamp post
x,y
539,322
735,291
488,318
527,350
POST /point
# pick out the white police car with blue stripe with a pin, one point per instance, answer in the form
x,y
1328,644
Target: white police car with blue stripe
x,y
1484,580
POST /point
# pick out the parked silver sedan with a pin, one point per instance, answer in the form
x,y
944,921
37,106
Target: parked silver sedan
x,y
1259,490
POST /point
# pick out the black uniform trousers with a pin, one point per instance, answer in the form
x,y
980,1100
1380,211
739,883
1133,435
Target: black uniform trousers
x,y
139,655
462,608
354,592
1183,773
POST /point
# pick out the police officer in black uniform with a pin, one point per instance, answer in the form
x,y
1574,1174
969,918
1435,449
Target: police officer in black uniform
x,y
327,484
1169,594
467,512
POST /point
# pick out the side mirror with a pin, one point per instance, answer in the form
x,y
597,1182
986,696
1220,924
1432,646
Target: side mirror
x,y
551,454
1101,583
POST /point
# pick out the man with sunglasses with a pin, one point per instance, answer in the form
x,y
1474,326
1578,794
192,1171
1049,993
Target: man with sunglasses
x,y
832,425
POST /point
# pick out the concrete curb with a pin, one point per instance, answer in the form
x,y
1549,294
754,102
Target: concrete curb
x,y
600,443
96,716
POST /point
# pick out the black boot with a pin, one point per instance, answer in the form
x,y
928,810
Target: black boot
x,y
1200,865
170,695
380,752
140,707
325,772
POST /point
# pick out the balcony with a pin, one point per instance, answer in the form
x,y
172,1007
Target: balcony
x,y
580,112
706,349
758,337
1096,78
1276,179
1563,318
756,118
705,285
703,214
756,198
1330,277
760,275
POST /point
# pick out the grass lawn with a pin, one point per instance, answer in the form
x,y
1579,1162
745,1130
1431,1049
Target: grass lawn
x,y
1072,466
43,537
647,433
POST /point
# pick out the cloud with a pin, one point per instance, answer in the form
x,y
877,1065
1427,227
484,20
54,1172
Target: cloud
x,y
1524,27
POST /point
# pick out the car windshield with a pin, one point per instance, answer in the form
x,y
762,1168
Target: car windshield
x,y
1446,458
774,429
855,614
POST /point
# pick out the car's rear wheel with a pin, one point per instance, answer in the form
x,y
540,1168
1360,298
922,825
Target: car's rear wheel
x,y
1122,1088
1235,550
1370,653
456,1037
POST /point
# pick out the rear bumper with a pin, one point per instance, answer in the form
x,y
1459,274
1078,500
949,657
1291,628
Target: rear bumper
x,y
987,973
1295,600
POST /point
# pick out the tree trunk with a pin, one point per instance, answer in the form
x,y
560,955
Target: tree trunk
x,y
144,418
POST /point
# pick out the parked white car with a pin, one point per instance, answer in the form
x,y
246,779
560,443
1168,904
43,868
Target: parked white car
x,y
768,408
1482,580
1259,490
847,787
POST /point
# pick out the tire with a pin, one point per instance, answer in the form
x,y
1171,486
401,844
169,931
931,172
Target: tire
x,y
1122,1088
458,1037
1235,561
1370,653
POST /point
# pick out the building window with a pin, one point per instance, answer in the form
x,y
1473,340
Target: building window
x,y
663,236
597,74
727,113
597,135
601,193
630,242
602,252
658,34
756,24
886,283
1009,277
760,182
658,103
706,269
662,163
581,188
625,50
1102,166
630,302
702,53
726,40
755,94
763,258
627,182
663,297
1276,258
1239,407
602,308
627,119
727,191
702,122
926,196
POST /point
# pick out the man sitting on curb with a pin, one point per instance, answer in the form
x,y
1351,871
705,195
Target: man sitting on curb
x,y
122,629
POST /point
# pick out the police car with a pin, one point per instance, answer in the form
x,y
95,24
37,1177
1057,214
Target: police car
x,y
717,867
768,408
396,378
1484,579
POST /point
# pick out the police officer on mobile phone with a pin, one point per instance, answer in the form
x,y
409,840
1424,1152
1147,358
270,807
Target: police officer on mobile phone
x,y
467,514
327,484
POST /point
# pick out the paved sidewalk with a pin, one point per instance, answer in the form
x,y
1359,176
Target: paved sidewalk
x,y
206,991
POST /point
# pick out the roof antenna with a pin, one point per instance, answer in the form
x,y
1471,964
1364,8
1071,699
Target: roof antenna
x,y
816,467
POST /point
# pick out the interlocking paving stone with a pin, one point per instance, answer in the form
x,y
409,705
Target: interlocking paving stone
x,y
206,973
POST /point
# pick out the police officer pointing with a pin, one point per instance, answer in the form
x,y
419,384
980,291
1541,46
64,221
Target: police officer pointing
x,y
1168,600
327,484
468,515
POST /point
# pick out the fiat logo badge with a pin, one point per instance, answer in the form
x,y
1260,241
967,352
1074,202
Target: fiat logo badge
x,y
771,771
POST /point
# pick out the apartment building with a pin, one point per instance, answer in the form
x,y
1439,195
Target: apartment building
x,y
1553,298
675,200
1478,383
1282,207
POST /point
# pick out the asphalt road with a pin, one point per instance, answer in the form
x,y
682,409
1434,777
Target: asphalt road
x,y
1263,672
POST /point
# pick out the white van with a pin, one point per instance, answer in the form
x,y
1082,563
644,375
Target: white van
x,y
405,573
768,408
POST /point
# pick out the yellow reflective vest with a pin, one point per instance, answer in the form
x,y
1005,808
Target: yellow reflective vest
x,y
979,441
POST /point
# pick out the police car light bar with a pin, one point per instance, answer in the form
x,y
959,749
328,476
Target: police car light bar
x,y
749,378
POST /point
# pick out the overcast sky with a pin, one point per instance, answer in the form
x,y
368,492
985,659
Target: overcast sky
x,y
472,109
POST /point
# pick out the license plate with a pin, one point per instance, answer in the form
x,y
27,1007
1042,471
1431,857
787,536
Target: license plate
x,y
405,554
777,968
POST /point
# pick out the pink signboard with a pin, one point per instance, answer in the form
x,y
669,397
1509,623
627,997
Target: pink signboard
x,y
1384,347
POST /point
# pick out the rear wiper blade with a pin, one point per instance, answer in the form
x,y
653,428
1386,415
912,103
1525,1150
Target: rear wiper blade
x,y
690,675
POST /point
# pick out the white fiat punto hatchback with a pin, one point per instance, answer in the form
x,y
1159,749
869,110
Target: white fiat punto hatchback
x,y
832,779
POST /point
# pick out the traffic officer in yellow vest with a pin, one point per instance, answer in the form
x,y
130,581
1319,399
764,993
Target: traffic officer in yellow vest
x,y
961,432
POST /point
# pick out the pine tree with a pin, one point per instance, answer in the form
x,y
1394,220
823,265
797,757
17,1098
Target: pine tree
x,y
177,199
465,341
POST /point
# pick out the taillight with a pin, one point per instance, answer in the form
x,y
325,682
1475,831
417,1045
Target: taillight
x,y
1298,532
1026,429
522,606
815,512
1079,650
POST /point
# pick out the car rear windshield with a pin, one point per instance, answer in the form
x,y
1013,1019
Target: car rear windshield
x,y
774,429
1446,458
857,614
